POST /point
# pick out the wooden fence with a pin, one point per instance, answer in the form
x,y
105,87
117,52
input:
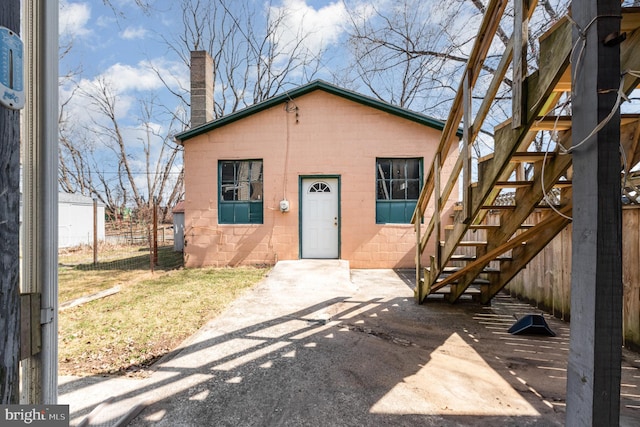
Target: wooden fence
x,y
546,281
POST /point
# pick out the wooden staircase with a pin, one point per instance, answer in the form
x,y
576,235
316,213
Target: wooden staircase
x,y
481,268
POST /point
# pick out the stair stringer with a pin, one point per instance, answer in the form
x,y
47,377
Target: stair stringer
x,y
517,240
526,203
555,49
524,254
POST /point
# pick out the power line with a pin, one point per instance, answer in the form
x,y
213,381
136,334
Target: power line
x,y
121,173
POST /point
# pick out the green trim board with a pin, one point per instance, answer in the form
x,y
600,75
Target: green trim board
x,y
303,90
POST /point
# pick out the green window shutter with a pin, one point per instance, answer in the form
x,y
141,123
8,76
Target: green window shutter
x,y
255,213
225,213
394,211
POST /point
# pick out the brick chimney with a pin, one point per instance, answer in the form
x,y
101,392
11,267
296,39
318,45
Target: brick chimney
x,y
201,88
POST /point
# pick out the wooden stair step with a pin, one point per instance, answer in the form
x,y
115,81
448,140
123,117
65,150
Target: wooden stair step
x,y
564,122
453,269
467,243
463,257
446,290
484,226
477,227
473,288
522,184
523,157
512,207
445,270
525,184
475,282
499,207
507,184
551,122
563,184
513,184
487,226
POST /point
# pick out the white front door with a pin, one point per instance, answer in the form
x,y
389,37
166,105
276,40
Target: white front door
x,y
320,218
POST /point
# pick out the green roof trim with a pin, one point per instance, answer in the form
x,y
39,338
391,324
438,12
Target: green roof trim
x,y
303,90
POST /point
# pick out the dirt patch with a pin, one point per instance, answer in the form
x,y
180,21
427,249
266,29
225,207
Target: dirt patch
x,y
112,360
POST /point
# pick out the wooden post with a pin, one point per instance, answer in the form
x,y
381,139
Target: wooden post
x,y
593,374
9,234
150,239
417,225
95,231
155,231
437,215
520,36
466,148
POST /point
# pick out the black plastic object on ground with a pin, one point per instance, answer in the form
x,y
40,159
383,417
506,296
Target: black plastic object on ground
x,y
531,324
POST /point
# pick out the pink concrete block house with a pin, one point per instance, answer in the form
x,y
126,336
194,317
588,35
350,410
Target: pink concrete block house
x,y
316,172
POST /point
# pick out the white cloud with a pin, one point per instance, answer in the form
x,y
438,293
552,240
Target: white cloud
x,y
319,28
106,21
126,83
131,33
125,78
73,18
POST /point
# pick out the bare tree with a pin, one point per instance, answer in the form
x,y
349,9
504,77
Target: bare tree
x,y
255,56
144,5
404,56
120,166
411,53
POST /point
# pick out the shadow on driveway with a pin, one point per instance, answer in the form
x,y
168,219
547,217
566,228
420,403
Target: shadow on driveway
x,y
317,345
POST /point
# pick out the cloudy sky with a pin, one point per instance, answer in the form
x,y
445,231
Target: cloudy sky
x,y
120,42
125,47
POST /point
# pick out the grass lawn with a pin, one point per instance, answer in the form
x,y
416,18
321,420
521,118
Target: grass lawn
x,y
79,276
150,316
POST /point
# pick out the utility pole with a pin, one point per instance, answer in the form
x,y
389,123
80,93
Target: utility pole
x,y
9,224
593,374
40,194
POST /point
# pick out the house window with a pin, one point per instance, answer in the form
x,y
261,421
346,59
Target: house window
x,y
398,188
240,200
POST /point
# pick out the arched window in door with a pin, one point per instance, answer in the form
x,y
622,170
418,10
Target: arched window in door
x,y
319,187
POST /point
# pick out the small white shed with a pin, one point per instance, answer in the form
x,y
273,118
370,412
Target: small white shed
x,y
75,220
178,226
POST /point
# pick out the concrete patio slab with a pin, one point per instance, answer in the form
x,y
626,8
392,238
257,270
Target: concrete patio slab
x,y
316,344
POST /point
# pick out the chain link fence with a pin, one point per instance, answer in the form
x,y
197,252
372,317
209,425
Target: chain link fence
x,y
126,246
